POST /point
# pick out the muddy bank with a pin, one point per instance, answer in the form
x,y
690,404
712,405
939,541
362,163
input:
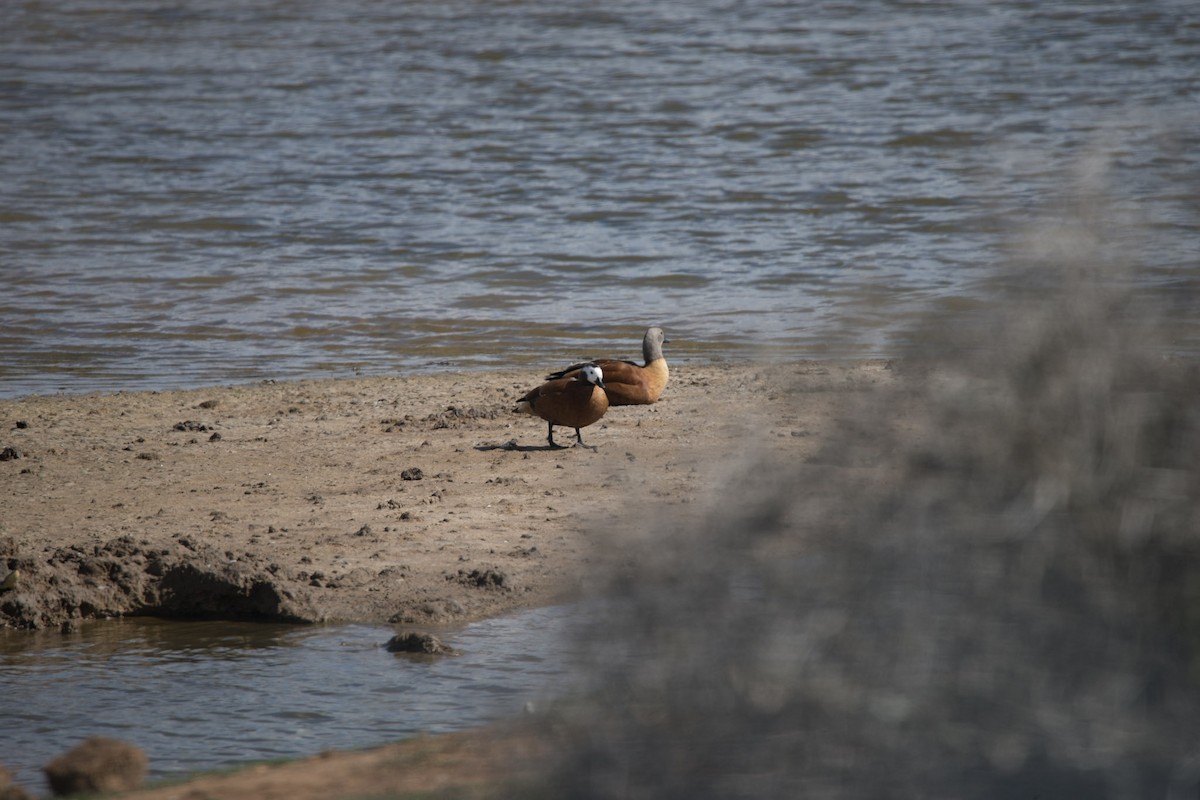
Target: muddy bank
x,y
419,499
177,578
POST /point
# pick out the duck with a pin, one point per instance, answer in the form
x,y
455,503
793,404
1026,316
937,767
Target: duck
x,y
628,383
573,402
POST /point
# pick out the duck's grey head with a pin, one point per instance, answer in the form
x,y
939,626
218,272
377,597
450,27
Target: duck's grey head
x,y
652,343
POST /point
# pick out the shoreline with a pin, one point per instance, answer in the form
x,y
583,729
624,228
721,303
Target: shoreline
x,y
408,500
411,501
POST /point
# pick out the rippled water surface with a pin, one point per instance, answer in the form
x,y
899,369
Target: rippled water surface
x,y
220,191
207,695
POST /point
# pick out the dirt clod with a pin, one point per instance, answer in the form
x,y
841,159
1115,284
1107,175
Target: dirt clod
x,y
416,642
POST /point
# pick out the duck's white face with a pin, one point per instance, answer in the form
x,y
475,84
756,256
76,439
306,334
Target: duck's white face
x,y
593,374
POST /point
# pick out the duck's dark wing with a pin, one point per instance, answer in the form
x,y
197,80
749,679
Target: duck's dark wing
x,y
602,363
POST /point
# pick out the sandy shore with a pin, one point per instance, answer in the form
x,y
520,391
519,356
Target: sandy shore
x,y
405,500
410,500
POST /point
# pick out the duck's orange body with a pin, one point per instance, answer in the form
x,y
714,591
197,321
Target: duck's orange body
x,y
628,383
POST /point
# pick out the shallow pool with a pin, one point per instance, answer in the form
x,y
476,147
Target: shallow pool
x,y
207,695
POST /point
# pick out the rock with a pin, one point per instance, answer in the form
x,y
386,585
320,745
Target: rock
x,y
15,793
483,578
9,790
423,643
412,474
9,454
97,765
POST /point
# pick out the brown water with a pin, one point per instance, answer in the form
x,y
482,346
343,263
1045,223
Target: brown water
x,y
208,695
221,191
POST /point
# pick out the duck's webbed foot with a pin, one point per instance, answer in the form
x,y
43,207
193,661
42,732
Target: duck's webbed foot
x,y
580,443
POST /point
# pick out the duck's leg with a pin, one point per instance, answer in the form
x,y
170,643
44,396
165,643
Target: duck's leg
x,y
579,440
550,434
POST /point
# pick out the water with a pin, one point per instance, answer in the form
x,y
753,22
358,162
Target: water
x,y
209,695
223,191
